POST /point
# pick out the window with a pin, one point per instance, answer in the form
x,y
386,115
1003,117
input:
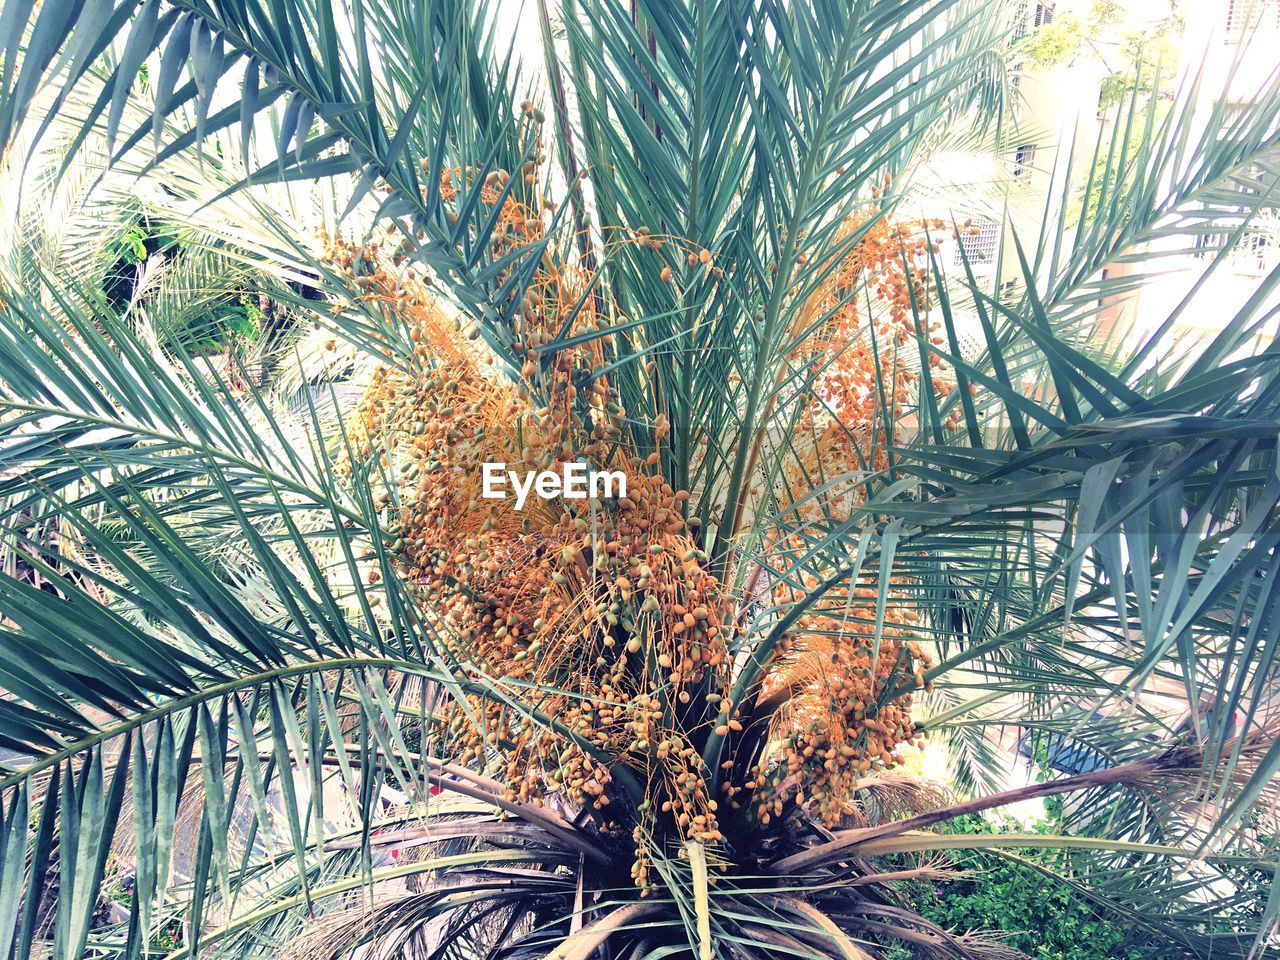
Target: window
x,y
1232,111
1208,244
1028,16
979,242
1020,20
1240,117
1255,253
1024,159
1245,16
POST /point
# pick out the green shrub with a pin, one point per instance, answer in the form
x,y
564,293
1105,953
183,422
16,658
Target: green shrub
x,y
1045,919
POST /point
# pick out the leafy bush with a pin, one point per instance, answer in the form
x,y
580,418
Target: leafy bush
x,y
1045,919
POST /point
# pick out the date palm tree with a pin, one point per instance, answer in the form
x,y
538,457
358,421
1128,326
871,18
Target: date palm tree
x,y
279,681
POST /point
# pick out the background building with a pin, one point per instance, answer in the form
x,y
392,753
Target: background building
x,y
1075,64
1232,44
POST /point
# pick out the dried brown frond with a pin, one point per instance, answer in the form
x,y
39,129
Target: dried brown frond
x,y
894,795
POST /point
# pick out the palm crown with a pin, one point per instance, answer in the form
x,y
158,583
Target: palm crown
x,y
260,636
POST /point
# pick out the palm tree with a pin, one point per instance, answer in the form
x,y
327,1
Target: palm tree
x,y
282,682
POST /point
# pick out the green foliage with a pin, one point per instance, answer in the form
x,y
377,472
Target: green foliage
x,y
132,244
1119,170
1045,918
1153,56
235,320
1055,43
1136,59
226,316
140,239
244,318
